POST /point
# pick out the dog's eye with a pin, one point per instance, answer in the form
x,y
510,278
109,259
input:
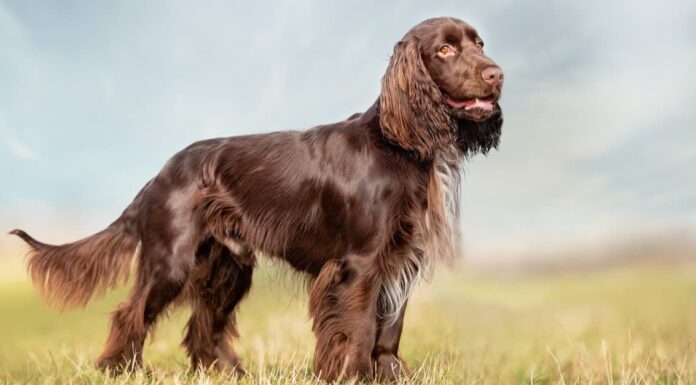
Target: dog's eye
x,y
445,50
479,43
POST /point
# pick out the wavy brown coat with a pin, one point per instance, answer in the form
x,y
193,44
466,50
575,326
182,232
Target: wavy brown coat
x,y
363,207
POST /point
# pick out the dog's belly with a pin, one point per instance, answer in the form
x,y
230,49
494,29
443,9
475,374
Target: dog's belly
x,y
306,260
334,232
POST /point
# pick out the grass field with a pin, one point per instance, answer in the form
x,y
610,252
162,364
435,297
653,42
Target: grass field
x,y
624,326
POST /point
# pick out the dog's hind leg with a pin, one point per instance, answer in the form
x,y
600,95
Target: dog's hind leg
x,y
130,323
221,279
169,237
161,279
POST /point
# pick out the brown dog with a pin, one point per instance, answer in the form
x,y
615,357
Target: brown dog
x,y
364,207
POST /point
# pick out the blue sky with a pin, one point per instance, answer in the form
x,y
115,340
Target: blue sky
x,y
600,103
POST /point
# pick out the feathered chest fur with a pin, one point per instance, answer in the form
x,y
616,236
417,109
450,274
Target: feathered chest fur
x,y
436,236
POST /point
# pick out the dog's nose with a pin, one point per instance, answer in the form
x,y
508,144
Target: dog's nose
x,y
492,76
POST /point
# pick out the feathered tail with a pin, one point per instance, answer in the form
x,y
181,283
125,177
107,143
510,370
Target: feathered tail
x,y
69,275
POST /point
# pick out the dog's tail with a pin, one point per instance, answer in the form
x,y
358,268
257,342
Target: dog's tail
x,y
69,275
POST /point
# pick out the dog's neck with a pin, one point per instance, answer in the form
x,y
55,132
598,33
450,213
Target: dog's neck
x,y
371,118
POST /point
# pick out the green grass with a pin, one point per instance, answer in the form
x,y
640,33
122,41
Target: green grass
x,y
624,326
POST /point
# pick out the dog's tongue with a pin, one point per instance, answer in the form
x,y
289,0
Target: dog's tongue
x,y
469,104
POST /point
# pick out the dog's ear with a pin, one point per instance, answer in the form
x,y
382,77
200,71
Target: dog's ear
x,y
412,112
479,137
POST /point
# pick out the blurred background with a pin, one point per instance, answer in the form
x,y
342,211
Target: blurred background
x,y
595,168
598,148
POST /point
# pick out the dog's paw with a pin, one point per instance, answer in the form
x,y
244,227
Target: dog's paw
x,y
390,368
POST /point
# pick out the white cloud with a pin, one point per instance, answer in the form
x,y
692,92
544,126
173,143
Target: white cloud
x,y
16,147
20,150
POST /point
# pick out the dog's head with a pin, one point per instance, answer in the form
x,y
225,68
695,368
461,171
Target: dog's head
x,y
440,88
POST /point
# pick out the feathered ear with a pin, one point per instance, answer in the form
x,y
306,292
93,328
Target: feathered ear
x,y
412,114
479,137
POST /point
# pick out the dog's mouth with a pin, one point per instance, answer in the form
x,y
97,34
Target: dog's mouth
x,y
484,103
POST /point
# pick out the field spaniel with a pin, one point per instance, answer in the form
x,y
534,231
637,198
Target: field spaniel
x,y
364,208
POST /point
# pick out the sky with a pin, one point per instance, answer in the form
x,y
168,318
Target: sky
x,y
599,140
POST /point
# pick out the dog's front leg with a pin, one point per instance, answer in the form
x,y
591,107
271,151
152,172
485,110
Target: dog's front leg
x,y
388,365
343,304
